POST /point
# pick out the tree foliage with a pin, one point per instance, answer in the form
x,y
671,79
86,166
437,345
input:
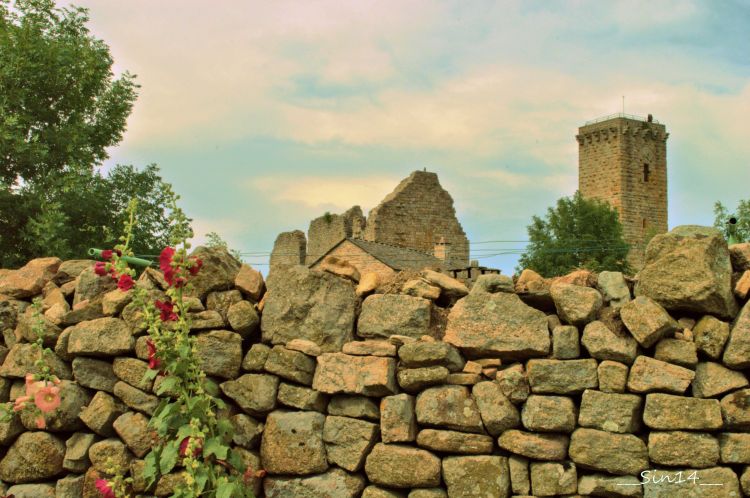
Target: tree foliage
x,y
739,230
61,107
213,239
576,233
60,104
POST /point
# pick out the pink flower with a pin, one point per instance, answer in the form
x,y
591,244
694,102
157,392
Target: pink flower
x,y
125,283
107,254
105,488
167,311
33,386
20,403
40,422
47,399
100,268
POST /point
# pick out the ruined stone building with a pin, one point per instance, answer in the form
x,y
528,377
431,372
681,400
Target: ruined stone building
x,y
414,227
622,160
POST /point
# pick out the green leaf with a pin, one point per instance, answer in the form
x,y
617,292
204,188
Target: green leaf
x,y
168,384
226,490
150,469
214,446
168,457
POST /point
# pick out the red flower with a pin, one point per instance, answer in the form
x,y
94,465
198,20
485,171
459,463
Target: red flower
x,y
252,473
105,488
125,283
165,259
197,263
167,311
196,451
107,254
153,361
100,268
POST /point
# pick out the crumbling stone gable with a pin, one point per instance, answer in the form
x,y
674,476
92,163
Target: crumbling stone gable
x,y
624,161
328,230
418,214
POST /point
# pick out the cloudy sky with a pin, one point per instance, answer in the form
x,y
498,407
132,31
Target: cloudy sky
x,y
264,115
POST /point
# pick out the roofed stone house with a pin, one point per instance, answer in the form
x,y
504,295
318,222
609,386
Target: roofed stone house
x,y
377,257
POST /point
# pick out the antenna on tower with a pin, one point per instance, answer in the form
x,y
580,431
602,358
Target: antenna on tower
x,y
623,104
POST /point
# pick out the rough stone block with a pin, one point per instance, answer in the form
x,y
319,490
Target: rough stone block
x,y
538,446
293,443
613,376
549,414
647,321
603,343
254,393
450,407
575,305
562,376
302,398
610,412
336,483
345,405
669,412
398,423
431,354
565,345
497,411
614,453
454,442
339,373
649,375
414,380
291,365
679,448
480,476
386,314
711,335
678,352
348,441
713,379
553,479
397,466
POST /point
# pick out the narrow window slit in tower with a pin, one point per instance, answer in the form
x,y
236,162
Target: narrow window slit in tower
x,y
645,172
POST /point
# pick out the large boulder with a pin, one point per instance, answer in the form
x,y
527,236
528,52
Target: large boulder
x,y
302,303
34,456
29,280
384,315
737,351
218,272
497,325
647,321
101,337
689,269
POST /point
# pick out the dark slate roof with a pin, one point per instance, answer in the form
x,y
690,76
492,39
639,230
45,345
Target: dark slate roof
x,y
398,258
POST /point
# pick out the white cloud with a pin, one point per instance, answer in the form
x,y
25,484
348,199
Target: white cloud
x,y
319,194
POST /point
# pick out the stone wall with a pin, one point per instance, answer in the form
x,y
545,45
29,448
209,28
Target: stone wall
x,y
289,248
418,387
624,162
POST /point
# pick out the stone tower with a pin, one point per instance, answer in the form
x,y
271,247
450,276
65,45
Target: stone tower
x,y
622,159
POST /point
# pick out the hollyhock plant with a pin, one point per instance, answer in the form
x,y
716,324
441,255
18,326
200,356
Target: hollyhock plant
x,y
166,309
153,362
196,450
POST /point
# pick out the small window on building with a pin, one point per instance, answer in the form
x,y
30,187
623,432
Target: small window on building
x,y
644,223
646,172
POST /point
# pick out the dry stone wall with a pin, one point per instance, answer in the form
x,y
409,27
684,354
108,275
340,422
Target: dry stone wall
x,y
585,385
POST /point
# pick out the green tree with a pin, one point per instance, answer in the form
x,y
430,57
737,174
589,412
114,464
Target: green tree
x,y
60,104
740,230
60,108
577,233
